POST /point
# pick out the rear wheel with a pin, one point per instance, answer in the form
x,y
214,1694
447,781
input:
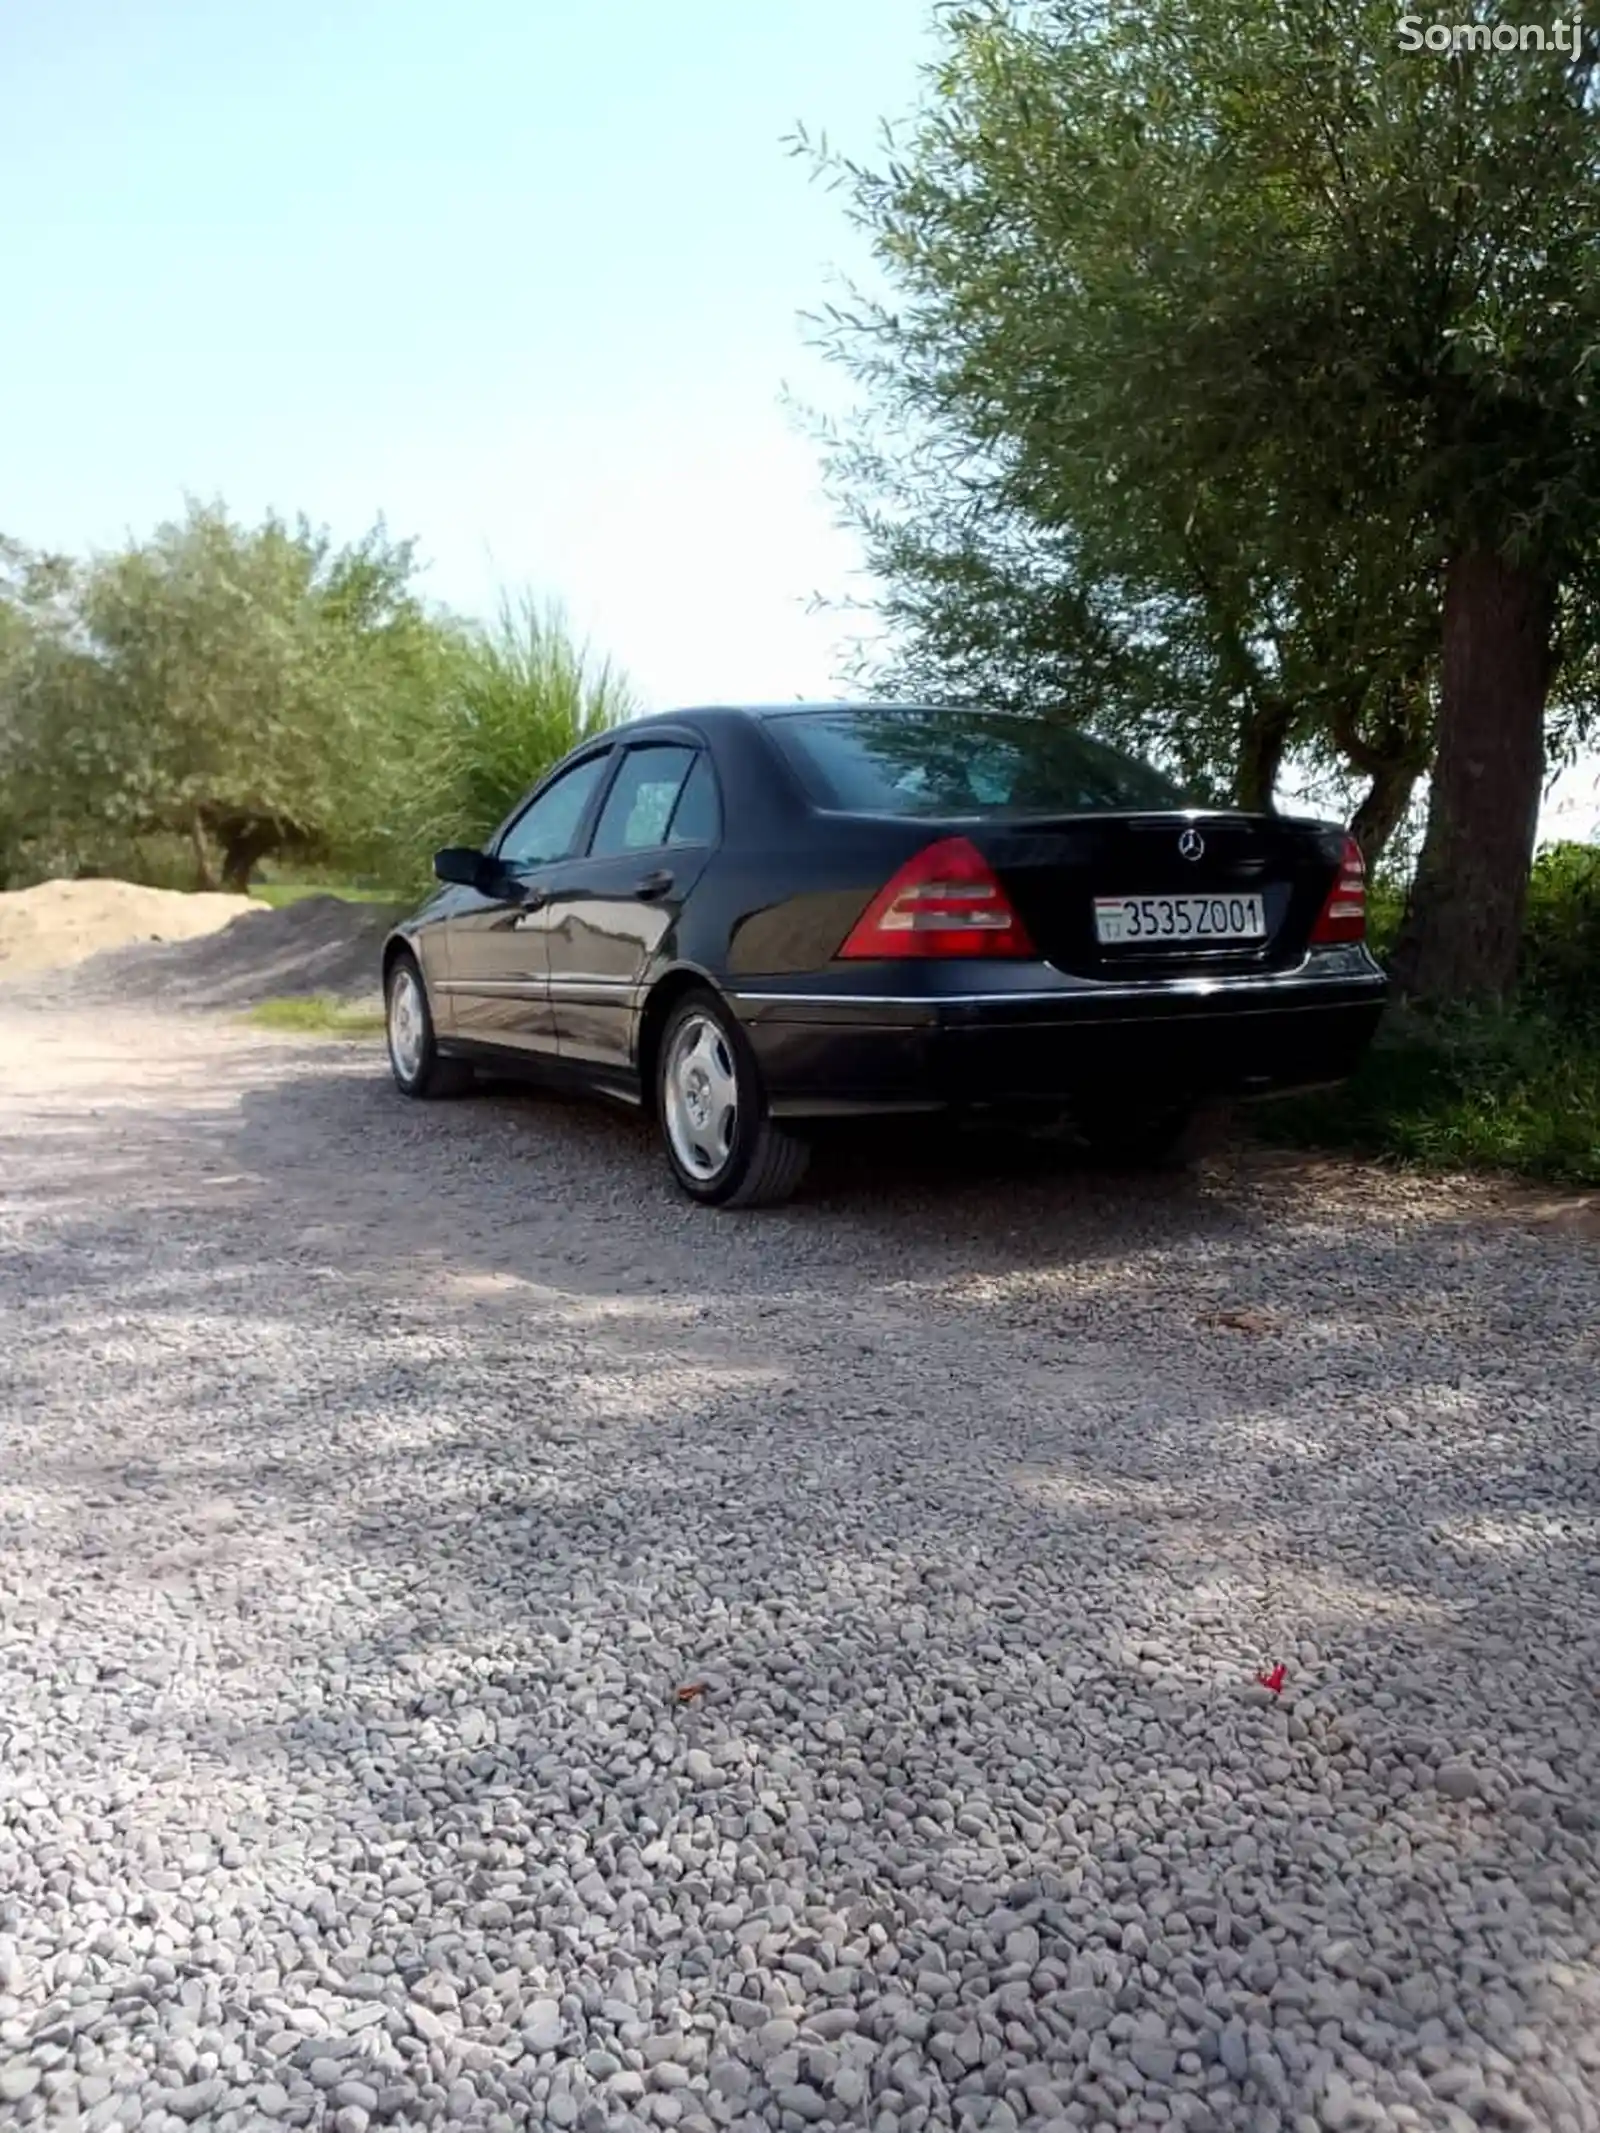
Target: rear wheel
x,y
723,1147
418,1067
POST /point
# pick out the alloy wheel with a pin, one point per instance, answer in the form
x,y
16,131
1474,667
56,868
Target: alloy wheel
x,y
408,1024
701,1088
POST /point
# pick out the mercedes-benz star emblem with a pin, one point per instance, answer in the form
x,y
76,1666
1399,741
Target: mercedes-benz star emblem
x,y
1192,845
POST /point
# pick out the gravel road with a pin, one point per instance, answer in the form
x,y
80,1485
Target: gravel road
x,y
485,1644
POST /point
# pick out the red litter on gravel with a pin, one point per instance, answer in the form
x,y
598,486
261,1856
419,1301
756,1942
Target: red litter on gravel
x,y
1274,1680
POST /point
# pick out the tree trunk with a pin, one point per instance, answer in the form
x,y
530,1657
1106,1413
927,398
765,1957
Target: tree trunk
x,y
244,845
203,876
1262,742
1463,927
1383,810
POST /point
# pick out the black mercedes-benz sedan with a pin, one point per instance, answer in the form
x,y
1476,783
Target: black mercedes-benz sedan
x,y
754,920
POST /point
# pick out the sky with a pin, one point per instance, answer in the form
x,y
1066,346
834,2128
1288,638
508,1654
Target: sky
x,y
525,277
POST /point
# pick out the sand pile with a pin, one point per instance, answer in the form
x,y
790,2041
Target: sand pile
x,y
321,944
60,922
147,947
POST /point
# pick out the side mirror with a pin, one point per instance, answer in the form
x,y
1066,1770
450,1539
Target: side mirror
x,y
461,864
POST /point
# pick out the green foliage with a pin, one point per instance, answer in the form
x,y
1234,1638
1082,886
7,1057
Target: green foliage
x,y
41,670
1561,939
281,893
1489,1089
315,1015
228,686
218,696
1515,1088
511,701
1214,329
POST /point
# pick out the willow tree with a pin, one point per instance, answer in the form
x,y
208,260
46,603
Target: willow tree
x,y
1284,335
239,687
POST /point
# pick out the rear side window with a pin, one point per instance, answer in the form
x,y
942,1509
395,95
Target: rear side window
x,y
697,818
641,800
961,762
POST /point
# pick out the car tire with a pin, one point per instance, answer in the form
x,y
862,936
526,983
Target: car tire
x,y
722,1145
1171,1136
418,1066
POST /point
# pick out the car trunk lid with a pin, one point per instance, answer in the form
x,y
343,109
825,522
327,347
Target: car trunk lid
x,y
1054,871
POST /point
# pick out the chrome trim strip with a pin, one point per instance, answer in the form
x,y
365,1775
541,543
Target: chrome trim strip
x,y
576,990
1091,993
496,988
588,988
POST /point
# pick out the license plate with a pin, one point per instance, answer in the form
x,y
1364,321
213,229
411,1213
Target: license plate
x,y
1126,921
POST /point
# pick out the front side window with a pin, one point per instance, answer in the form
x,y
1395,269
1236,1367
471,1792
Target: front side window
x,y
549,828
641,800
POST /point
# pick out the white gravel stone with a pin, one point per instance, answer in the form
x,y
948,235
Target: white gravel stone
x,y
1458,1781
376,1479
542,2026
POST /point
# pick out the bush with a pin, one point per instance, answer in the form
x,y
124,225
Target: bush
x,y
1488,1090
1514,1088
1561,946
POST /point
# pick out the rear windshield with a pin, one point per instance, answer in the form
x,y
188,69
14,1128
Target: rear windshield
x,y
960,762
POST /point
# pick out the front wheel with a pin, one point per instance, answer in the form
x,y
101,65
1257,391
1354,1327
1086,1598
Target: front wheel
x,y
415,1060
724,1149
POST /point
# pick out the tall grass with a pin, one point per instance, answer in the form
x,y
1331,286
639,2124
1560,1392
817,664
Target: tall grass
x,y
513,698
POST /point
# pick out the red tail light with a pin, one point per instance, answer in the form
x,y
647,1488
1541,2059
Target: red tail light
x,y
1343,916
943,901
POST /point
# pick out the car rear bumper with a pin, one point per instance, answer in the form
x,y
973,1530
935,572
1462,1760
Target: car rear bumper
x,y
826,1054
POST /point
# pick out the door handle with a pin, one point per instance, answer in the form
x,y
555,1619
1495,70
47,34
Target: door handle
x,y
656,884
533,899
